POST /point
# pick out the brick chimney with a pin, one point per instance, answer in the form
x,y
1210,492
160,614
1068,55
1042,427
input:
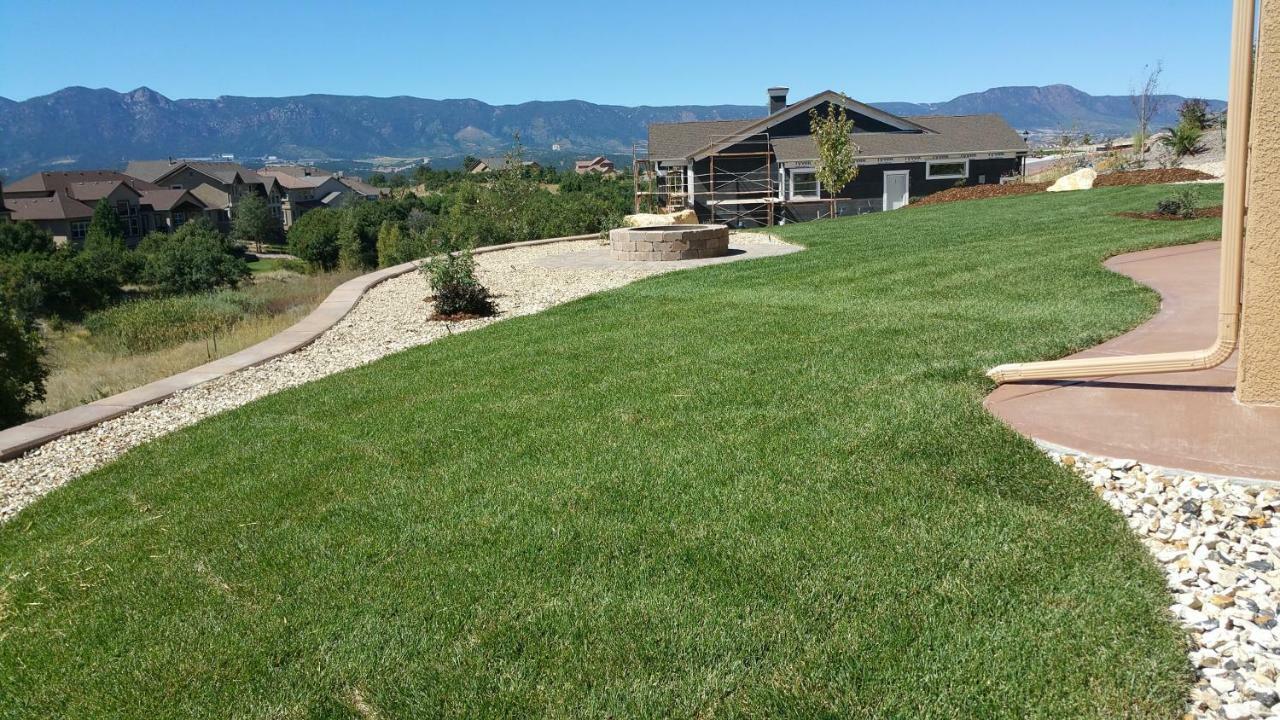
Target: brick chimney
x,y
777,99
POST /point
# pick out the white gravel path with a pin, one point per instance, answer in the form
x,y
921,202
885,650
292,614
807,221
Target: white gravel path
x,y
1219,546
389,318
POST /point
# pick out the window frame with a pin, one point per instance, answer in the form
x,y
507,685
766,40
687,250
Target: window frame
x,y
930,175
791,183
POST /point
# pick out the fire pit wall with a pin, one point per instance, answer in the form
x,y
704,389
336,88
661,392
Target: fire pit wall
x,y
669,242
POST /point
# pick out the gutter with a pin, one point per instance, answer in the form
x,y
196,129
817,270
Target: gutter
x,y
1239,98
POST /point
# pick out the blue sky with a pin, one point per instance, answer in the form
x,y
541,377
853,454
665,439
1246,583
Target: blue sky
x,y
610,52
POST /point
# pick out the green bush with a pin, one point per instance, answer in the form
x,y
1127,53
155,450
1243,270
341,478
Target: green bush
x,y
452,276
1194,112
1183,202
1184,139
20,237
313,238
196,258
156,323
22,374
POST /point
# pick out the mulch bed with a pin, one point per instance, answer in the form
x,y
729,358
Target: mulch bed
x,y
1199,213
1151,177
981,192
1131,177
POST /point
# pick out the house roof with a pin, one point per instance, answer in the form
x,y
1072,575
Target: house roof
x,y
150,170
93,191
497,163
57,207
155,171
295,171
926,134
52,182
294,182
165,199
360,186
949,134
211,196
670,141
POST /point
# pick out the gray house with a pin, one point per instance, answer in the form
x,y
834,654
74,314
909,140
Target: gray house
x,y
762,172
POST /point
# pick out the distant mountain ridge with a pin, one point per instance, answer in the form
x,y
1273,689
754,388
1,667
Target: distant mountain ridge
x,y
79,127
1050,107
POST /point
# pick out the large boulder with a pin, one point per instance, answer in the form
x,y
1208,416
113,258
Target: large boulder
x,y
683,217
1081,179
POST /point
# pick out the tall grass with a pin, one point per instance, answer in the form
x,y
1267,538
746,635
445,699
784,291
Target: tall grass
x,y
150,338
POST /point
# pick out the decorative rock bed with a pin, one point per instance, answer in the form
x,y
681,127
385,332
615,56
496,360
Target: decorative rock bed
x,y
669,242
1219,546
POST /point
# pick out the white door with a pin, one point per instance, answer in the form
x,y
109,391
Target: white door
x,y
897,188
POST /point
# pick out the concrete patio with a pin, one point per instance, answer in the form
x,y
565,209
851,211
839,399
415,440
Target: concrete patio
x,y
1188,421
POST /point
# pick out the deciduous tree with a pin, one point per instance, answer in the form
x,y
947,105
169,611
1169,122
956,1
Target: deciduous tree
x,y
836,150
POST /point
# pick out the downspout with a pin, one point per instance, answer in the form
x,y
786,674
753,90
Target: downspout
x,y
1239,98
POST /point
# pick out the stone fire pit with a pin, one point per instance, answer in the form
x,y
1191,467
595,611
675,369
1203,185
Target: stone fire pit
x,y
669,242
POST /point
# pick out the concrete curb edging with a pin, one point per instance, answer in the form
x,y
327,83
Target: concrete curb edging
x,y
20,439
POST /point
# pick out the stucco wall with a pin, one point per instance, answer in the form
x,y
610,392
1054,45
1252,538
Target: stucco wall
x,y
1259,378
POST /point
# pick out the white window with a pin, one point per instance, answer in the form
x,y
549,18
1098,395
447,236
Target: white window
x,y
947,169
674,182
79,230
804,184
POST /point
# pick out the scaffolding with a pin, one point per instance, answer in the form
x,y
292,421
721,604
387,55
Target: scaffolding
x,y
738,184
740,192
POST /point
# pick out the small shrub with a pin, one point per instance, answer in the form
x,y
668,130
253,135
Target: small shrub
x,y
452,278
22,374
1194,112
1184,139
1183,202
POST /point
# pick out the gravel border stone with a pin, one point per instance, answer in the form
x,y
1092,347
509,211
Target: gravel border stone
x,y
1218,543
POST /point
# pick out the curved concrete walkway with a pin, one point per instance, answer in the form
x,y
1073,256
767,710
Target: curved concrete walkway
x,y
1188,421
19,439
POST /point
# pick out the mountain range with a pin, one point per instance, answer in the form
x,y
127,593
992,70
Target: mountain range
x,y
79,127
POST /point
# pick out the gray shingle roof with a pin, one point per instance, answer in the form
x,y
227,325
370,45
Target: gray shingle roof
x,y
211,196
149,170
52,182
669,141
58,207
361,186
166,199
952,134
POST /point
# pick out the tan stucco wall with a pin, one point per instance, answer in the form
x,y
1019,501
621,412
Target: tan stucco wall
x,y
1259,374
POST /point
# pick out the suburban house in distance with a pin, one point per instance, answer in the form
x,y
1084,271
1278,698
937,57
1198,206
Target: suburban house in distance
x,y
225,184
305,188
498,163
62,203
599,164
761,172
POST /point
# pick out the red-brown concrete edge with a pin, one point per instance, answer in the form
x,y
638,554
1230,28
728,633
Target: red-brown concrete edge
x,y
20,439
1186,421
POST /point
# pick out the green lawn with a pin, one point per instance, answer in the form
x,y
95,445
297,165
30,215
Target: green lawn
x,y
761,489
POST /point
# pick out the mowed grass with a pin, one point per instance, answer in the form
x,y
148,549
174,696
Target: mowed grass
x,y
761,489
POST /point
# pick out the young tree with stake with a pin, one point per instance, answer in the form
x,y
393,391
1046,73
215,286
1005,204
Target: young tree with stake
x,y
836,151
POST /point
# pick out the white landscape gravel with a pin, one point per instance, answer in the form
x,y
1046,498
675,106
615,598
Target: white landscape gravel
x,y
1217,541
390,317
